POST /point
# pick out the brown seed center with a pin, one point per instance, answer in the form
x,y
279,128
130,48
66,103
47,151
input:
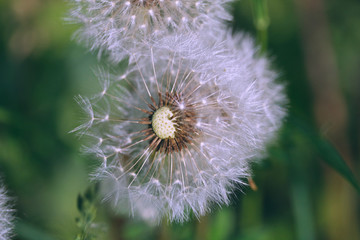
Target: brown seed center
x,y
173,123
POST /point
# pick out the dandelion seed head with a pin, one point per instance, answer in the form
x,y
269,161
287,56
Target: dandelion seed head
x,y
180,142
6,216
121,25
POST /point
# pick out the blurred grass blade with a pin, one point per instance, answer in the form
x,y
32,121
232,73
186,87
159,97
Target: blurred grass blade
x,y
302,210
326,151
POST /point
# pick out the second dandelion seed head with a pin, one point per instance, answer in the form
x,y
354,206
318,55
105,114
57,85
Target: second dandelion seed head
x,y
119,27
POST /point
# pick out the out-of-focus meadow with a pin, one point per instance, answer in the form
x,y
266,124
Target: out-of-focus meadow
x,y
313,43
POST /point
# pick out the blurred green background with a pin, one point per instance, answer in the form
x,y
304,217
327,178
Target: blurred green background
x,y
315,46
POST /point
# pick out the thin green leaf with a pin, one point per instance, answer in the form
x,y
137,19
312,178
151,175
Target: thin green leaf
x,y
332,157
326,151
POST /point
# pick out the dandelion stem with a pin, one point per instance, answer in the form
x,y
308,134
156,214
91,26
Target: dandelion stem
x,y
261,21
202,227
165,229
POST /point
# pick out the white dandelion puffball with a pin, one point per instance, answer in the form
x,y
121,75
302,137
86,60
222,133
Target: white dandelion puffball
x,y
178,130
120,24
6,216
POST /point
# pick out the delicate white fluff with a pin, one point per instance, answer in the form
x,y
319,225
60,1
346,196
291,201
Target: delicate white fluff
x,y
239,63
122,24
248,65
6,216
238,107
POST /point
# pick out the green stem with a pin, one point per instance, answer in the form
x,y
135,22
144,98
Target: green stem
x,y
261,21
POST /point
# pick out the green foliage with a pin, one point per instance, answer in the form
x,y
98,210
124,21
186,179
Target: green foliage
x,y
87,206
